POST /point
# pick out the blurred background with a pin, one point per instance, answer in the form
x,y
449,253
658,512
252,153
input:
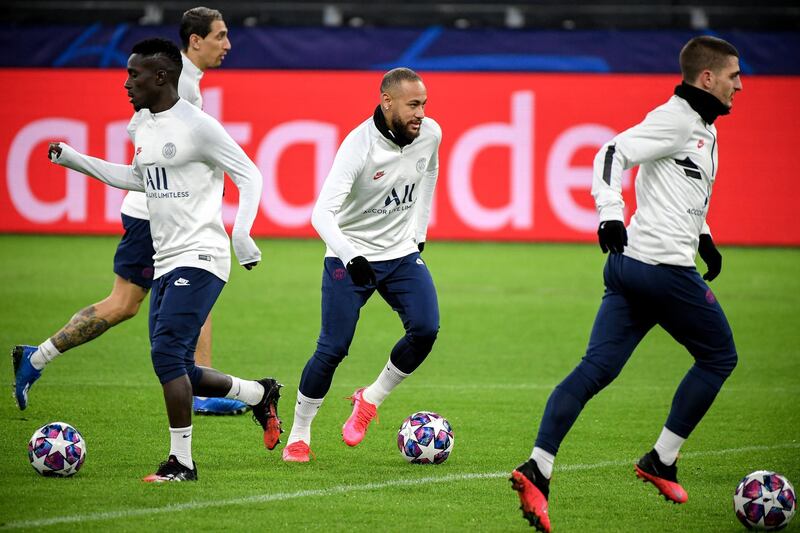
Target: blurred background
x,y
765,15
526,92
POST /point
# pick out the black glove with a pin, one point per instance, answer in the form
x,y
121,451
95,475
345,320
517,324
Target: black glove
x,y
421,246
360,271
710,256
612,236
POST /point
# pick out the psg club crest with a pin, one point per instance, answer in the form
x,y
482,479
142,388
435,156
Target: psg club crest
x,y
169,150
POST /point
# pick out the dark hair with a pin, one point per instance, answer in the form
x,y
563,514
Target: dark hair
x,y
394,77
197,21
705,52
164,49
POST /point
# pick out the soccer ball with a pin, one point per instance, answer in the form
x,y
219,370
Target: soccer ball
x,y
56,449
425,437
764,500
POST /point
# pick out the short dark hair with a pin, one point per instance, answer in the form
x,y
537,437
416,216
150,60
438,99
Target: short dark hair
x,y
394,77
197,21
705,52
161,48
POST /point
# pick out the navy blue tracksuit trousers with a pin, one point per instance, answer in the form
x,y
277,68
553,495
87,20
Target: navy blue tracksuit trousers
x,y
406,284
637,297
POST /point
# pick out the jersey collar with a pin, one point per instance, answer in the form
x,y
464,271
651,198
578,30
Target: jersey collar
x,y
380,123
706,104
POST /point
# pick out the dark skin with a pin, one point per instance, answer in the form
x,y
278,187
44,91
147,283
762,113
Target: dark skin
x,y
153,84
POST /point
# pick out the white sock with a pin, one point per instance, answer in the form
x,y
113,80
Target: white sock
x,y
544,460
388,379
304,412
46,353
180,445
248,391
668,445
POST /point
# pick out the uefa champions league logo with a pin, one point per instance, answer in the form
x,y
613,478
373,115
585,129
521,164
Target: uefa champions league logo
x,y
421,165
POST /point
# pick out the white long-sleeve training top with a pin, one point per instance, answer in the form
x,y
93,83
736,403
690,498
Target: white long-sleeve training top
x,y
135,203
180,156
376,200
676,151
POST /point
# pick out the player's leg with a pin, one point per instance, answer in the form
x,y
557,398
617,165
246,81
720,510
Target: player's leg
x,y
407,286
262,395
342,301
177,312
621,322
689,312
210,405
133,266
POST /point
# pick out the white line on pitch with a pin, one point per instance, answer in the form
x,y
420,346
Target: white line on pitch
x,y
342,489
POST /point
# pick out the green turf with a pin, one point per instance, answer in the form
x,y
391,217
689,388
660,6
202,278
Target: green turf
x,y
515,320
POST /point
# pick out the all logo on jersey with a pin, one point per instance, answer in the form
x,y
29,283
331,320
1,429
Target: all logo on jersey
x,y
378,175
393,197
157,184
169,150
138,150
421,164
700,143
157,179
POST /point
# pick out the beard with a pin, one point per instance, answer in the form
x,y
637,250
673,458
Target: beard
x,y
401,130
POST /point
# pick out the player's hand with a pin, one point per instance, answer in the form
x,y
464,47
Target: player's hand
x,y
710,256
54,151
360,271
421,246
612,236
246,250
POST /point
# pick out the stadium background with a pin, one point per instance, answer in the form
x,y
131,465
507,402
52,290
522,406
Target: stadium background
x,y
543,80
525,94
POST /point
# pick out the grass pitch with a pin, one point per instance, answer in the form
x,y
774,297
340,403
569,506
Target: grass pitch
x,y
515,321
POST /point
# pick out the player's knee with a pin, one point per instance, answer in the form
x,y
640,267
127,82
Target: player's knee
x,y
723,365
167,367
128,310
731,361
596,374
119,309
329,356
424,334
195,374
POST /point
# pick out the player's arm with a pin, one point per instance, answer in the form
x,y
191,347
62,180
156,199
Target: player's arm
x,y
428,186
119,176
347,165
660,134
225,153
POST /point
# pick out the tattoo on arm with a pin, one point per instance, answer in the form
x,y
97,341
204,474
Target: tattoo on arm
x,y
84,326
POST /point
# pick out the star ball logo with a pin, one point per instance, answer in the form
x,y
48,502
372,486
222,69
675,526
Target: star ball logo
x,y
421,164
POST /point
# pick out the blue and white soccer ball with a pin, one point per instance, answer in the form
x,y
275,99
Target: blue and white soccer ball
x,y
764,500
57,449
425,438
